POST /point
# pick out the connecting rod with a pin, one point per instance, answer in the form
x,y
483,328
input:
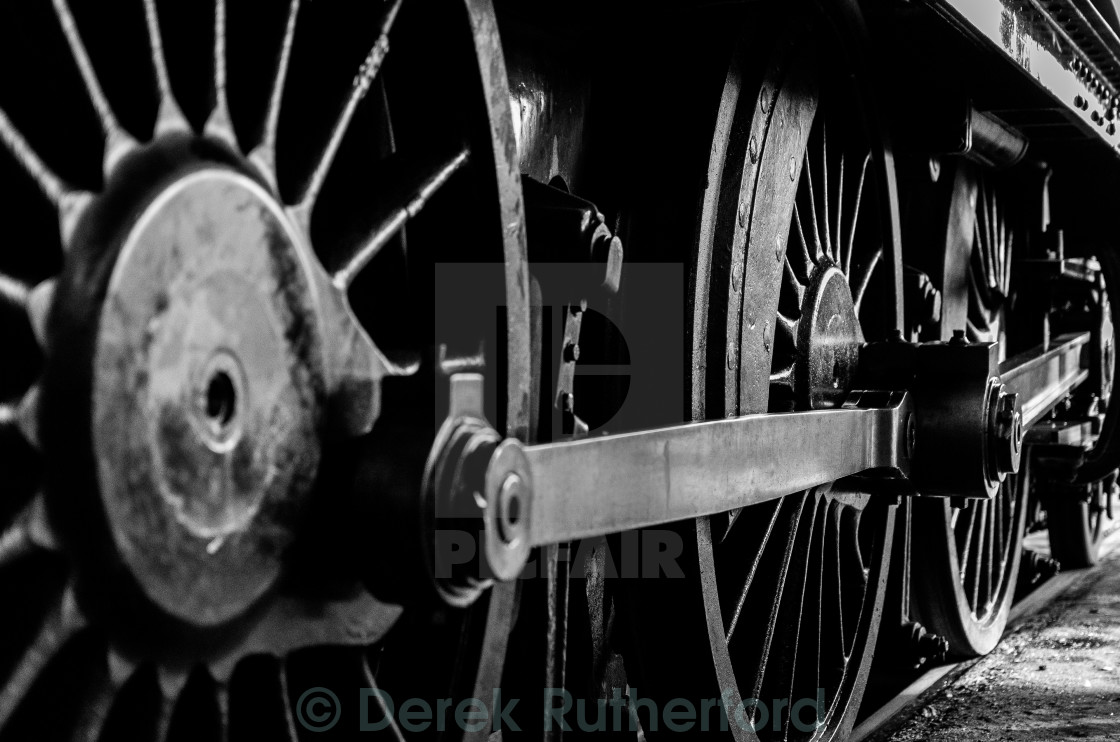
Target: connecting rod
x,y
951,426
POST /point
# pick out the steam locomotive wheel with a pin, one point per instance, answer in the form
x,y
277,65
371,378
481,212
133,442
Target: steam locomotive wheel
x,y
1076,526
795,267
965,581
1076,530
202,359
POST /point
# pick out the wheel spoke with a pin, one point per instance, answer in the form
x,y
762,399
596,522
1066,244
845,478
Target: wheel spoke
x,y
15,542
285,691
979,299
219,125
61,624
783,377
404,207
38,309
992,211
13,292
833,585
785,332
781,575
1011,510
853,575
818,247
987,559
999,247
805,676
855,216
1005,277
28,534
976,556
992,556
840,212
793,283
995,570
828,248
865,278
118,142
165,714
983,563
802,267
964,546
751,573
790,620
49,183
385,711
362,82
221,700
264,155
170,117
96,706
23,416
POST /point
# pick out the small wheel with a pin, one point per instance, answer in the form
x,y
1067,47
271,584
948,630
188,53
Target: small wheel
x,y
965,561
207,340
795,265
1077,525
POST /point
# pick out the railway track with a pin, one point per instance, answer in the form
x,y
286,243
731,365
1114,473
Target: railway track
x,y
880,724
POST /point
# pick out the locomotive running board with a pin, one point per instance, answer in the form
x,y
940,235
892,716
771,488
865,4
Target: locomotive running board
x,y
1064,46
955,431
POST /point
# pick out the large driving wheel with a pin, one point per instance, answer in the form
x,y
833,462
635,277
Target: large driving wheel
x,y
965,557
196,358
796,265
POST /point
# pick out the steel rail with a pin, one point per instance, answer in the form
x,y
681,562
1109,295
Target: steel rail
x,y
895,712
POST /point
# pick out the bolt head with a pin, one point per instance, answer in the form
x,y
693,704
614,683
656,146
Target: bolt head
x,y
1008,433
511,503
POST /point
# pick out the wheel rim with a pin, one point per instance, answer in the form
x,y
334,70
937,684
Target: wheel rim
x,y
233,630
780,625
968,579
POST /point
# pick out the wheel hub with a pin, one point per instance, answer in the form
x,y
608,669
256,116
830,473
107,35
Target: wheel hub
x,y
208,394
830,339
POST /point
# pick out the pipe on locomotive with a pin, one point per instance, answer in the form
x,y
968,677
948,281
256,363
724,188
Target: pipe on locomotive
x,y
957,127
990,142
